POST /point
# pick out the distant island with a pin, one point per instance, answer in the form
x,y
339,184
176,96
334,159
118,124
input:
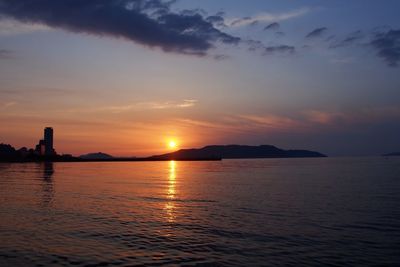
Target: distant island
x,y
238,152
98,155
392,154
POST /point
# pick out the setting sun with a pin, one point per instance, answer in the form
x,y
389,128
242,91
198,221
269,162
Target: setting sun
x,y
172,144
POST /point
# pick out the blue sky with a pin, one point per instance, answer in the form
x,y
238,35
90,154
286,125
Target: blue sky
x,y
120,86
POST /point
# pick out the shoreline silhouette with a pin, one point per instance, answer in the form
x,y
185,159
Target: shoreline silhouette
x,y
207,153
45,152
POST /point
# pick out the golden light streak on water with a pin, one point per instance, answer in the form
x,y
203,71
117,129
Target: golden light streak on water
x,y
171,192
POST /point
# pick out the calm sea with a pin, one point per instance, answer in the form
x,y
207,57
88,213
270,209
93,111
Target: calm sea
x,y
272,212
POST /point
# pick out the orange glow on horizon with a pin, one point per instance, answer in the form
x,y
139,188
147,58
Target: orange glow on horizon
x,y
123,140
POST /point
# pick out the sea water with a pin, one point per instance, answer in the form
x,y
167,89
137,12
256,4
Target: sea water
x,y
267,212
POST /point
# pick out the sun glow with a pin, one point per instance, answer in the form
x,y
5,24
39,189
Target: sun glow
x,y
172,144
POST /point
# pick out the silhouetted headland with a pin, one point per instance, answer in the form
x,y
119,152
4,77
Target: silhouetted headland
x,y
238,152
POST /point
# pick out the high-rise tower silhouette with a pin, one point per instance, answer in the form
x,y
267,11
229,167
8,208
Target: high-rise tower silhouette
x,y
48,141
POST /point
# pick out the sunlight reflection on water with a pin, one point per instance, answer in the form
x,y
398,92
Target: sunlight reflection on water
x,y
169,206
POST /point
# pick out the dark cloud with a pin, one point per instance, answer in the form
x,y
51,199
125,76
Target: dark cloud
x,y
316,33
383,39
351,39
6,54
254,45
380,29
254,23
387,45
330,38
273,26
147,22
242,20
221,57
217,20
286,49
192,12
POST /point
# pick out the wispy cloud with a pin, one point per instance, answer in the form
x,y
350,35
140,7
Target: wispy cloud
x,y
200,123
345,60
352,38
366,115
32,90
322,117
302,121
245,123
285,49
6,54
151,105
187,103
8,104
266,18
270,121
13,27
254,45
273,26
221,57
316,33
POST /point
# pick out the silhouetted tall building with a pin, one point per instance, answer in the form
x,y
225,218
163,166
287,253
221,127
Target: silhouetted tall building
x,y
41,148
45,146
48,141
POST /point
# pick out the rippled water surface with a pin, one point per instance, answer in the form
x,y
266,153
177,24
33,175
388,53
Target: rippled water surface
x,y
270,212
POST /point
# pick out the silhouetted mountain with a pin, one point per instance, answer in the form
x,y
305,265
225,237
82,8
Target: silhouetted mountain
x,y
98,155
237,152
392,154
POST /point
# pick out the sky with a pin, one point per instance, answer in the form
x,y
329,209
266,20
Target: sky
x,y
127,76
